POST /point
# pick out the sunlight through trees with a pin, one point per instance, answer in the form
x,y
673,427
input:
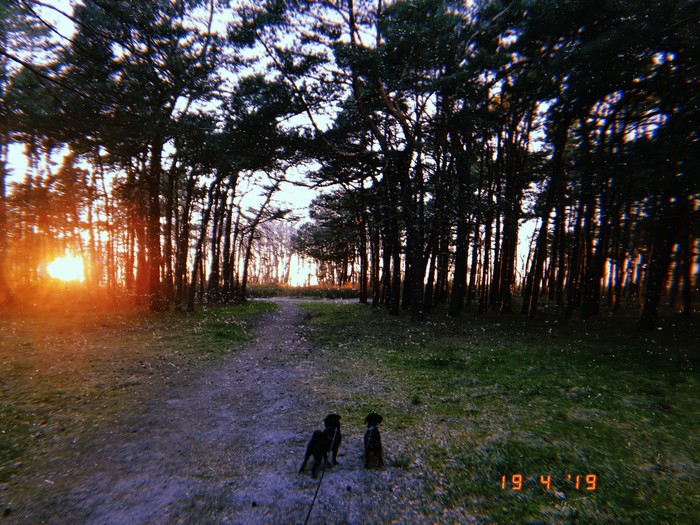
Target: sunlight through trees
x,y
158,136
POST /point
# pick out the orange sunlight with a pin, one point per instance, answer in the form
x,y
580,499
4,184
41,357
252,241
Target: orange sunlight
x,y
68,268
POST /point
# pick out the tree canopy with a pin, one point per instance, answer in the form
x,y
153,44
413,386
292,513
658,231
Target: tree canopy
x,y
440,130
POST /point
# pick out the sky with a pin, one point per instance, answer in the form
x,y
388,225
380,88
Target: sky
x,y
293,196
290,195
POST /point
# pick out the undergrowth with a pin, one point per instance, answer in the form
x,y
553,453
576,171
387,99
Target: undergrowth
x,y
318,292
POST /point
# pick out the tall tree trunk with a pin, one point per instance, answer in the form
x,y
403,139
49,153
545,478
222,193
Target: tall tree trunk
x,y
407,281
226,258
168,285
665,234
214,279
532,287
560,229
394,233
5,291
443,266
157,300
573,296
364,262
198,250
395,292
596,266
429,287
375,249
141,256
687,264
621,245
6,296
183,242
236,246
486,263
473,270
413,219
589,235
462,153
387,251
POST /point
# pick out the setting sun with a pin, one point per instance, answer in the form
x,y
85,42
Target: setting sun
x,y
67,268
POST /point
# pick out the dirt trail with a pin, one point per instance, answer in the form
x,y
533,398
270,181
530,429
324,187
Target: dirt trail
x,y
222,445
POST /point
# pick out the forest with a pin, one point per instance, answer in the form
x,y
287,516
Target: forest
x,y
157,135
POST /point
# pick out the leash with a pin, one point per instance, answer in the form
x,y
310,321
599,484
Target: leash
x,y
313,502
318,487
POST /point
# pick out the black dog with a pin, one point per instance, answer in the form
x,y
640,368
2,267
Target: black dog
x,y
373,441
322,443
332,423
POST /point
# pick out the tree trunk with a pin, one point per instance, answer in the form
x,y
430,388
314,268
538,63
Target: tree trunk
x,y
168,285
575,264
213,282
665,234
687,264
198,255
561,252
157,300
485,264
473,273
226,262
459,279
182,245
429,287
364,270
375,248
395,292
532,287
5,291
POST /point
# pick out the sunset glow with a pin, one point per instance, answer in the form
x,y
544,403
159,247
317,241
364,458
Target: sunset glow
x,y
67,268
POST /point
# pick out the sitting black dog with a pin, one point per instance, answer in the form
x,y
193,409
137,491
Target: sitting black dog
x,y
373,441
332,431
322,443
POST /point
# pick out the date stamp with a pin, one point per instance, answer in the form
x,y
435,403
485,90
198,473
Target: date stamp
x,y
576,481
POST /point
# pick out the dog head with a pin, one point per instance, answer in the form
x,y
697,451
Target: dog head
x,y
332,421
373,419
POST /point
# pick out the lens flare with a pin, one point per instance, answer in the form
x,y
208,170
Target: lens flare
x,y
67,268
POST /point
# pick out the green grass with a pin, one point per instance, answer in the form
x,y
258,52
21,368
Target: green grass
x,y
212,330
486,396
63,372
318,292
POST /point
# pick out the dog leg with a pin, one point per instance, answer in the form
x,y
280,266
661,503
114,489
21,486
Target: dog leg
x,y
318,463
303,465
335,453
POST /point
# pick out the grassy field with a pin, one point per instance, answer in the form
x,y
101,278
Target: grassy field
x,y
589,422
64,371
545,403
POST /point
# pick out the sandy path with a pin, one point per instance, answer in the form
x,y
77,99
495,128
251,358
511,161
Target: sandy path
x,y
221,445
